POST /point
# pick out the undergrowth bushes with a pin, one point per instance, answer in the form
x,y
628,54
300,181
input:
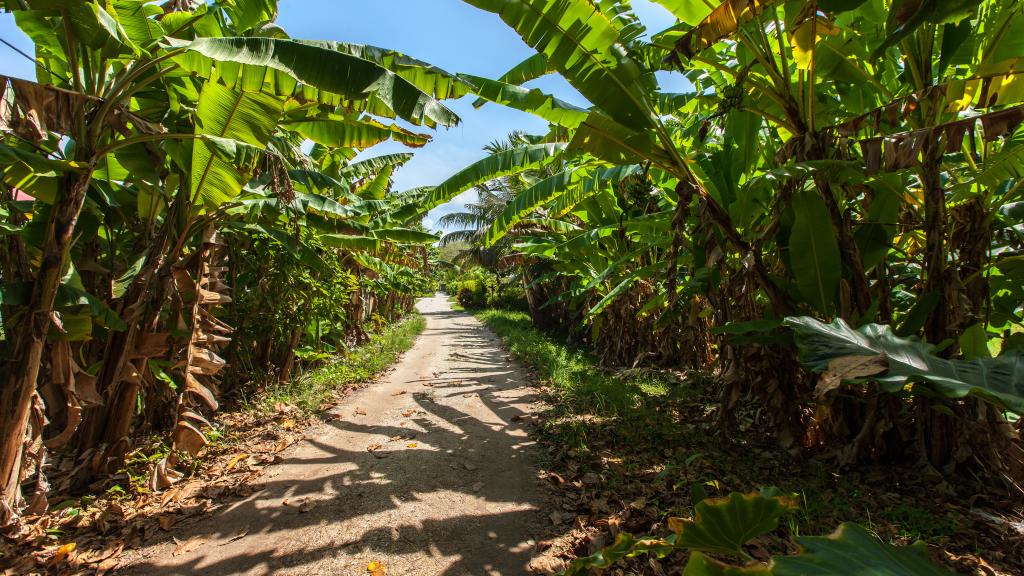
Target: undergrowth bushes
x,y
312,391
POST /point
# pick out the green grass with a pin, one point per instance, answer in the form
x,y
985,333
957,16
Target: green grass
x,y
313,391
593,408
574,374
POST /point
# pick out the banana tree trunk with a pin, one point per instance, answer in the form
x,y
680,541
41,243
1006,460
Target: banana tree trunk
x,y
29,342
289,355
937,327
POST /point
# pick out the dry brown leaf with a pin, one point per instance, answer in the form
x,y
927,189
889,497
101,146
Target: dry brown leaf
x,y
166,522
399,393
281,445
106,566
847,368
186,546
409,412
359,412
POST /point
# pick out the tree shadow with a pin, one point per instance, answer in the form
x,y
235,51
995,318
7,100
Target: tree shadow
x,y
450,481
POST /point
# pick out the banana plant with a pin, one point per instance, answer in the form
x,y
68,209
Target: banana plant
x,y
144,130
853,161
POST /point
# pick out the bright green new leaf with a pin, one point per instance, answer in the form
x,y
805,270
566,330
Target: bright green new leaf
x,y
224,115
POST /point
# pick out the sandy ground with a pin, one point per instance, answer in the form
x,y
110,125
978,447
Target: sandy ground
x,y
452,488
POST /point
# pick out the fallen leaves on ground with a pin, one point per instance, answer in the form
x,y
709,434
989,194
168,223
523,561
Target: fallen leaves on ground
x,y
74,538
376,569
639,467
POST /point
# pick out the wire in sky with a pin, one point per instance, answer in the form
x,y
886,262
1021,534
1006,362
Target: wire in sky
x,y
30,58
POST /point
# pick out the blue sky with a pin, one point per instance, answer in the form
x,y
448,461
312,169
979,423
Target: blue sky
x,y
447,33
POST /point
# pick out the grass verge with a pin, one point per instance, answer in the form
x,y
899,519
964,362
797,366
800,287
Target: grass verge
x,y
583,389
314,390
631,448
574,373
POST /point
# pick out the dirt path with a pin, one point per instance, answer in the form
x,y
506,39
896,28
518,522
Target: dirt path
x,y
451,490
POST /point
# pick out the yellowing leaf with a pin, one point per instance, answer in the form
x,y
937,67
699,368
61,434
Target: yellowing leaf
x,y
376,569
234,461
63,552
805,37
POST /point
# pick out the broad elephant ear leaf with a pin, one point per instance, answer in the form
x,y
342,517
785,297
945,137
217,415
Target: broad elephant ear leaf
x,y
998,380
701,565
724,525
852,551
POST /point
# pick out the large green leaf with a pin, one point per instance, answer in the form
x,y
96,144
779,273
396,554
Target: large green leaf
x,y
427,77
533,67
226,115
351,133
496,165
998,380
405,236
582,43
371,166
814,252
318,65
688,11
377,188
533,101
725,525
701,565
603,137
248,14
530,199
349,242
852,551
